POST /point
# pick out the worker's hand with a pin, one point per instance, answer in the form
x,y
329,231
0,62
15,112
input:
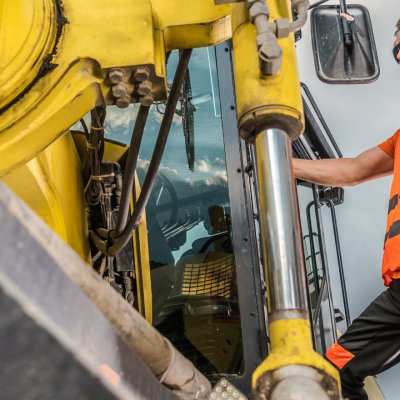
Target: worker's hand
x,y
348,17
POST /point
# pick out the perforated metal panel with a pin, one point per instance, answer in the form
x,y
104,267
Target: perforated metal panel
x,y
212,278
225,390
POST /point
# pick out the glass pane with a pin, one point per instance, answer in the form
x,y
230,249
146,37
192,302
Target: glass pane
x,y
195,301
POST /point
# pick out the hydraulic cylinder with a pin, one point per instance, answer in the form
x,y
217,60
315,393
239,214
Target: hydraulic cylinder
x,y
270,115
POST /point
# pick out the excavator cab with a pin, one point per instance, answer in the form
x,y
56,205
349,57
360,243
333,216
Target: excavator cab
x,y
189,224
207,281
202,247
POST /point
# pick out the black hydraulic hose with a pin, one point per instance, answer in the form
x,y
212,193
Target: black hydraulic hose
x,y
95,144
331,205
85,128
98,242
317,3
130,168
170,108
85,167
97,131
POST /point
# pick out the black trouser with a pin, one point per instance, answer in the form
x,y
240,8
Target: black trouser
x,y
374,341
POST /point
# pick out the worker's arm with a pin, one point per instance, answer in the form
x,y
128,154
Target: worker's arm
x,y
371,164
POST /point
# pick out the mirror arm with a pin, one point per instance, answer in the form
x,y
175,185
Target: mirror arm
x,y
346,27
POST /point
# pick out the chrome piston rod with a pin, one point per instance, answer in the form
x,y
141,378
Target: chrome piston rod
x,y
301,377
283,252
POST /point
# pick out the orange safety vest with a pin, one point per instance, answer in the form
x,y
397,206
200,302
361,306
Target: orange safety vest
x,y
391,253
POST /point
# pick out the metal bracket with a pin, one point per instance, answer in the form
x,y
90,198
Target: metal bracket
x,y
335,194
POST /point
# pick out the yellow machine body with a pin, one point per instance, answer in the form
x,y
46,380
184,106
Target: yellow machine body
x,y
265,101
89,39
51,185
54,69
291,344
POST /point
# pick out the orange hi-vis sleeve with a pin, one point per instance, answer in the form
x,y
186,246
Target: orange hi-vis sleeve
x,y
389,145
338,355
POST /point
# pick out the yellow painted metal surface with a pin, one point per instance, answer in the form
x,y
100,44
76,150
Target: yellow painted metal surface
x,y
265,101
24,133
39,161
51,185
189,24
273,102
142,264
113,151
99,35
291,344
27,34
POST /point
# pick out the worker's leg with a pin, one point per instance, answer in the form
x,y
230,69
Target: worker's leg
x,y
370,345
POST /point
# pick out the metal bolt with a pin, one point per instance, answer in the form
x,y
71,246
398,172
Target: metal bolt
x,y
119,90
123,102
145,88
141,74
116,75
147,100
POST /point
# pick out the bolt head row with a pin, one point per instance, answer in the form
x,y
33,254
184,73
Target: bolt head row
x,y
120,91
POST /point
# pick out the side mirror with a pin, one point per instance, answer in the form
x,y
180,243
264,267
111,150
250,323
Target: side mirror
x,y
344,48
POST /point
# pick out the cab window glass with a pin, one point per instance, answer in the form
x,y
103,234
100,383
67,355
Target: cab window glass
x,y
195,302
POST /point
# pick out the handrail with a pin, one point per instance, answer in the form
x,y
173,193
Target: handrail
x,y
331,205
312,248
320,290
319,302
